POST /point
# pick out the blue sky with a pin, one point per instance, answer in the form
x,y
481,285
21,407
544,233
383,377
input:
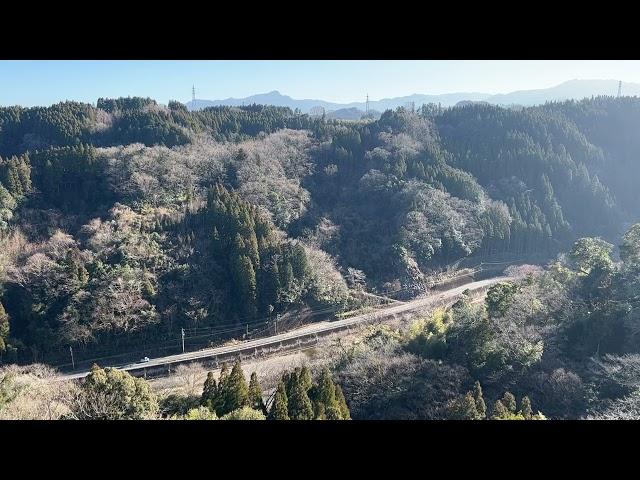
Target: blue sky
x,y
31,83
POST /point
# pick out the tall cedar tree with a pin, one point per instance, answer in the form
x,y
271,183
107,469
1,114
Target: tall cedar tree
x,y
253,253
234,393
216,403
300,407
255,394
509,401
481,407
464,408
345,414
305,378
209,391
325,397
4,329
525,408
279,408
499,411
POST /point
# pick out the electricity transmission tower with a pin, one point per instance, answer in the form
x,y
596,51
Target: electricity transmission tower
x,y
193,97
619,88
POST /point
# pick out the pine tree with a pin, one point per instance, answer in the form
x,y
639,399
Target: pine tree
x,y
319,411
300,407
234,393
286,273
509,401
305,378
209,392
223,380
333,413
82,274
286,379
325,393
224,376
500,412
464,408
481,407
279,408
291,380
345,414
298,261
4,329
244,279
525,408
255,394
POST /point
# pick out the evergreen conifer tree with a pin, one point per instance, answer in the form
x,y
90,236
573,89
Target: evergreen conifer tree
x,y
333,413
305,378
345,414
279,409
325,393
500,412
481,407
319,411
235,393
525,408
224,373
464,408
300,407
509,401
255,394
218,404
4,329
209,391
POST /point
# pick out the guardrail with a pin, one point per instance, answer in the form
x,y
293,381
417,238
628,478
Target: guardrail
x,y
263,347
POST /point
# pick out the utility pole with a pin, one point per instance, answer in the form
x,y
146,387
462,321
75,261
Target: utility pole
x,y
183,340
73,363
247,332
277,318
271,308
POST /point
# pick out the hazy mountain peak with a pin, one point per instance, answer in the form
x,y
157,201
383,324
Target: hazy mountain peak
x,y
571,89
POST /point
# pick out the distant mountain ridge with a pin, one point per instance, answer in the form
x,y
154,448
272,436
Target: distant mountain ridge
x,y
276,98
572,89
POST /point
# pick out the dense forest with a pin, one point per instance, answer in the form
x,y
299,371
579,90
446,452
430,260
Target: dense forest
x,y
560,343
125,222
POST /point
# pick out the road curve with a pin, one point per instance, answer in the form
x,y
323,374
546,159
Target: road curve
x,y
312,329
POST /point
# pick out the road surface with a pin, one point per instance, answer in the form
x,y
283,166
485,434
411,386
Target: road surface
x,y
314,329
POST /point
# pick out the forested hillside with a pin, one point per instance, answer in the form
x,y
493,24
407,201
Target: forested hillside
x,y
124,222
560,342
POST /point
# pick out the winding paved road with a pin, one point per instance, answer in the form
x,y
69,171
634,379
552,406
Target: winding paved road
x,y
312,330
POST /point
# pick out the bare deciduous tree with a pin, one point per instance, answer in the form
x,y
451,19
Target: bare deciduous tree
x,y
34,393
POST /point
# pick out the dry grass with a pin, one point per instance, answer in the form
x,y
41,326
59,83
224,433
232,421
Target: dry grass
x,y
33,394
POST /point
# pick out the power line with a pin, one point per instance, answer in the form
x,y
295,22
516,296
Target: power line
x,y
221,330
